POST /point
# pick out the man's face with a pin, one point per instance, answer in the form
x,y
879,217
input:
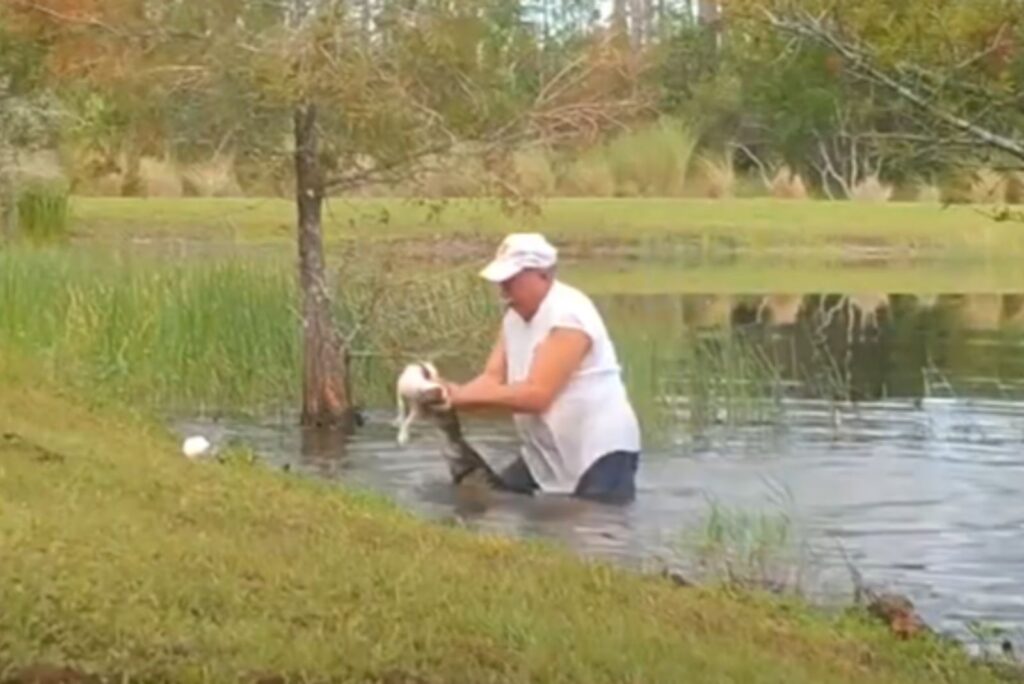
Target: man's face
x,y
524,291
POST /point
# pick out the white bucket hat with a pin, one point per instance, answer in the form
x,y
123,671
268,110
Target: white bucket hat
x,y
520,251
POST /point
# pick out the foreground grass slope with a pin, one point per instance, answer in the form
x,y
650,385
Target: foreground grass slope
x,y
756,224
122,558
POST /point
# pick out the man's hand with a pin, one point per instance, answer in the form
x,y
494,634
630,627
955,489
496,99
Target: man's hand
x,y
438,397
472,393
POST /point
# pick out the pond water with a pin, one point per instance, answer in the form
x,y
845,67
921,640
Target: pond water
x,y
889,429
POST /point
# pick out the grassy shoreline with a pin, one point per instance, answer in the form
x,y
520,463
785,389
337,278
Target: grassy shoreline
x,y
584,223
126,560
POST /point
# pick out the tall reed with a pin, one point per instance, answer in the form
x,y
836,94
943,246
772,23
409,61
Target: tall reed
x,y
216,333
744,547
724,378
653,160
43,212
169,334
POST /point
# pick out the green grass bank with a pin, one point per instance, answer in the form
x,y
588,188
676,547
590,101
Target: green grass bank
x,y
125,560
756,224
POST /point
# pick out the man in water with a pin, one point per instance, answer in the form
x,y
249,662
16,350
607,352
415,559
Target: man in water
x,y
554,367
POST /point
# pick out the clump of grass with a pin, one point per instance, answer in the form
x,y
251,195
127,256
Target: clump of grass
x,y
42,210
159,178
928,193
588,176
695,383
718,176
871,189
723,379
643,368
263,176
652,161
463,176
989,186
1014,190
213,178
787,184
109,184
780,309
533,172
744,548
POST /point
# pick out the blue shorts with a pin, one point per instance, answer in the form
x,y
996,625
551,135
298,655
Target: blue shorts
x,y
611,478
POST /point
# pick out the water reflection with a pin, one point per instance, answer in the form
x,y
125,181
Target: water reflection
x,y
896,434
878,345
322,450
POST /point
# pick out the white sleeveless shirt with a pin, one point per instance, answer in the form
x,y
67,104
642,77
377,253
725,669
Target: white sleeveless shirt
x,y
592,415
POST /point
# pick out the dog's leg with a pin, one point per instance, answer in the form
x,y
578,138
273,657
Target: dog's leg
x,y
403,430
402,410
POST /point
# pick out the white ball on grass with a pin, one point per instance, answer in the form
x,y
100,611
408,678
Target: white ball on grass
x,y
194,446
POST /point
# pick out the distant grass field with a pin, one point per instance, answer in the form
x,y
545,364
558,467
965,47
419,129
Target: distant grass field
x,y
755,224
799,276
125,560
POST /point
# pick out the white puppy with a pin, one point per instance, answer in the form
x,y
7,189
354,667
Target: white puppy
x,y
418,382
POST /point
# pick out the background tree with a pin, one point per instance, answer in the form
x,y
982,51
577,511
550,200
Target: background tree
x,y
936,82
29,116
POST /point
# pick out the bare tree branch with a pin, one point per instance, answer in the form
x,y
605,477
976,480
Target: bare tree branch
x,y
815,29
67,18
390,171
765,178
92,21
828,170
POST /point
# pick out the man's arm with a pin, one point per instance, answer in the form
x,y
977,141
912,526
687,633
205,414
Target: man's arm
x,y
555,360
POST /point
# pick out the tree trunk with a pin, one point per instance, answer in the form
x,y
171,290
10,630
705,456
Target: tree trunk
x,y
707,11
365,21
131,184
638,18
325,389
709,15
620,24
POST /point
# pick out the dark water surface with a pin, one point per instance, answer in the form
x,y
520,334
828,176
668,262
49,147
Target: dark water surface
x,y
890,429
